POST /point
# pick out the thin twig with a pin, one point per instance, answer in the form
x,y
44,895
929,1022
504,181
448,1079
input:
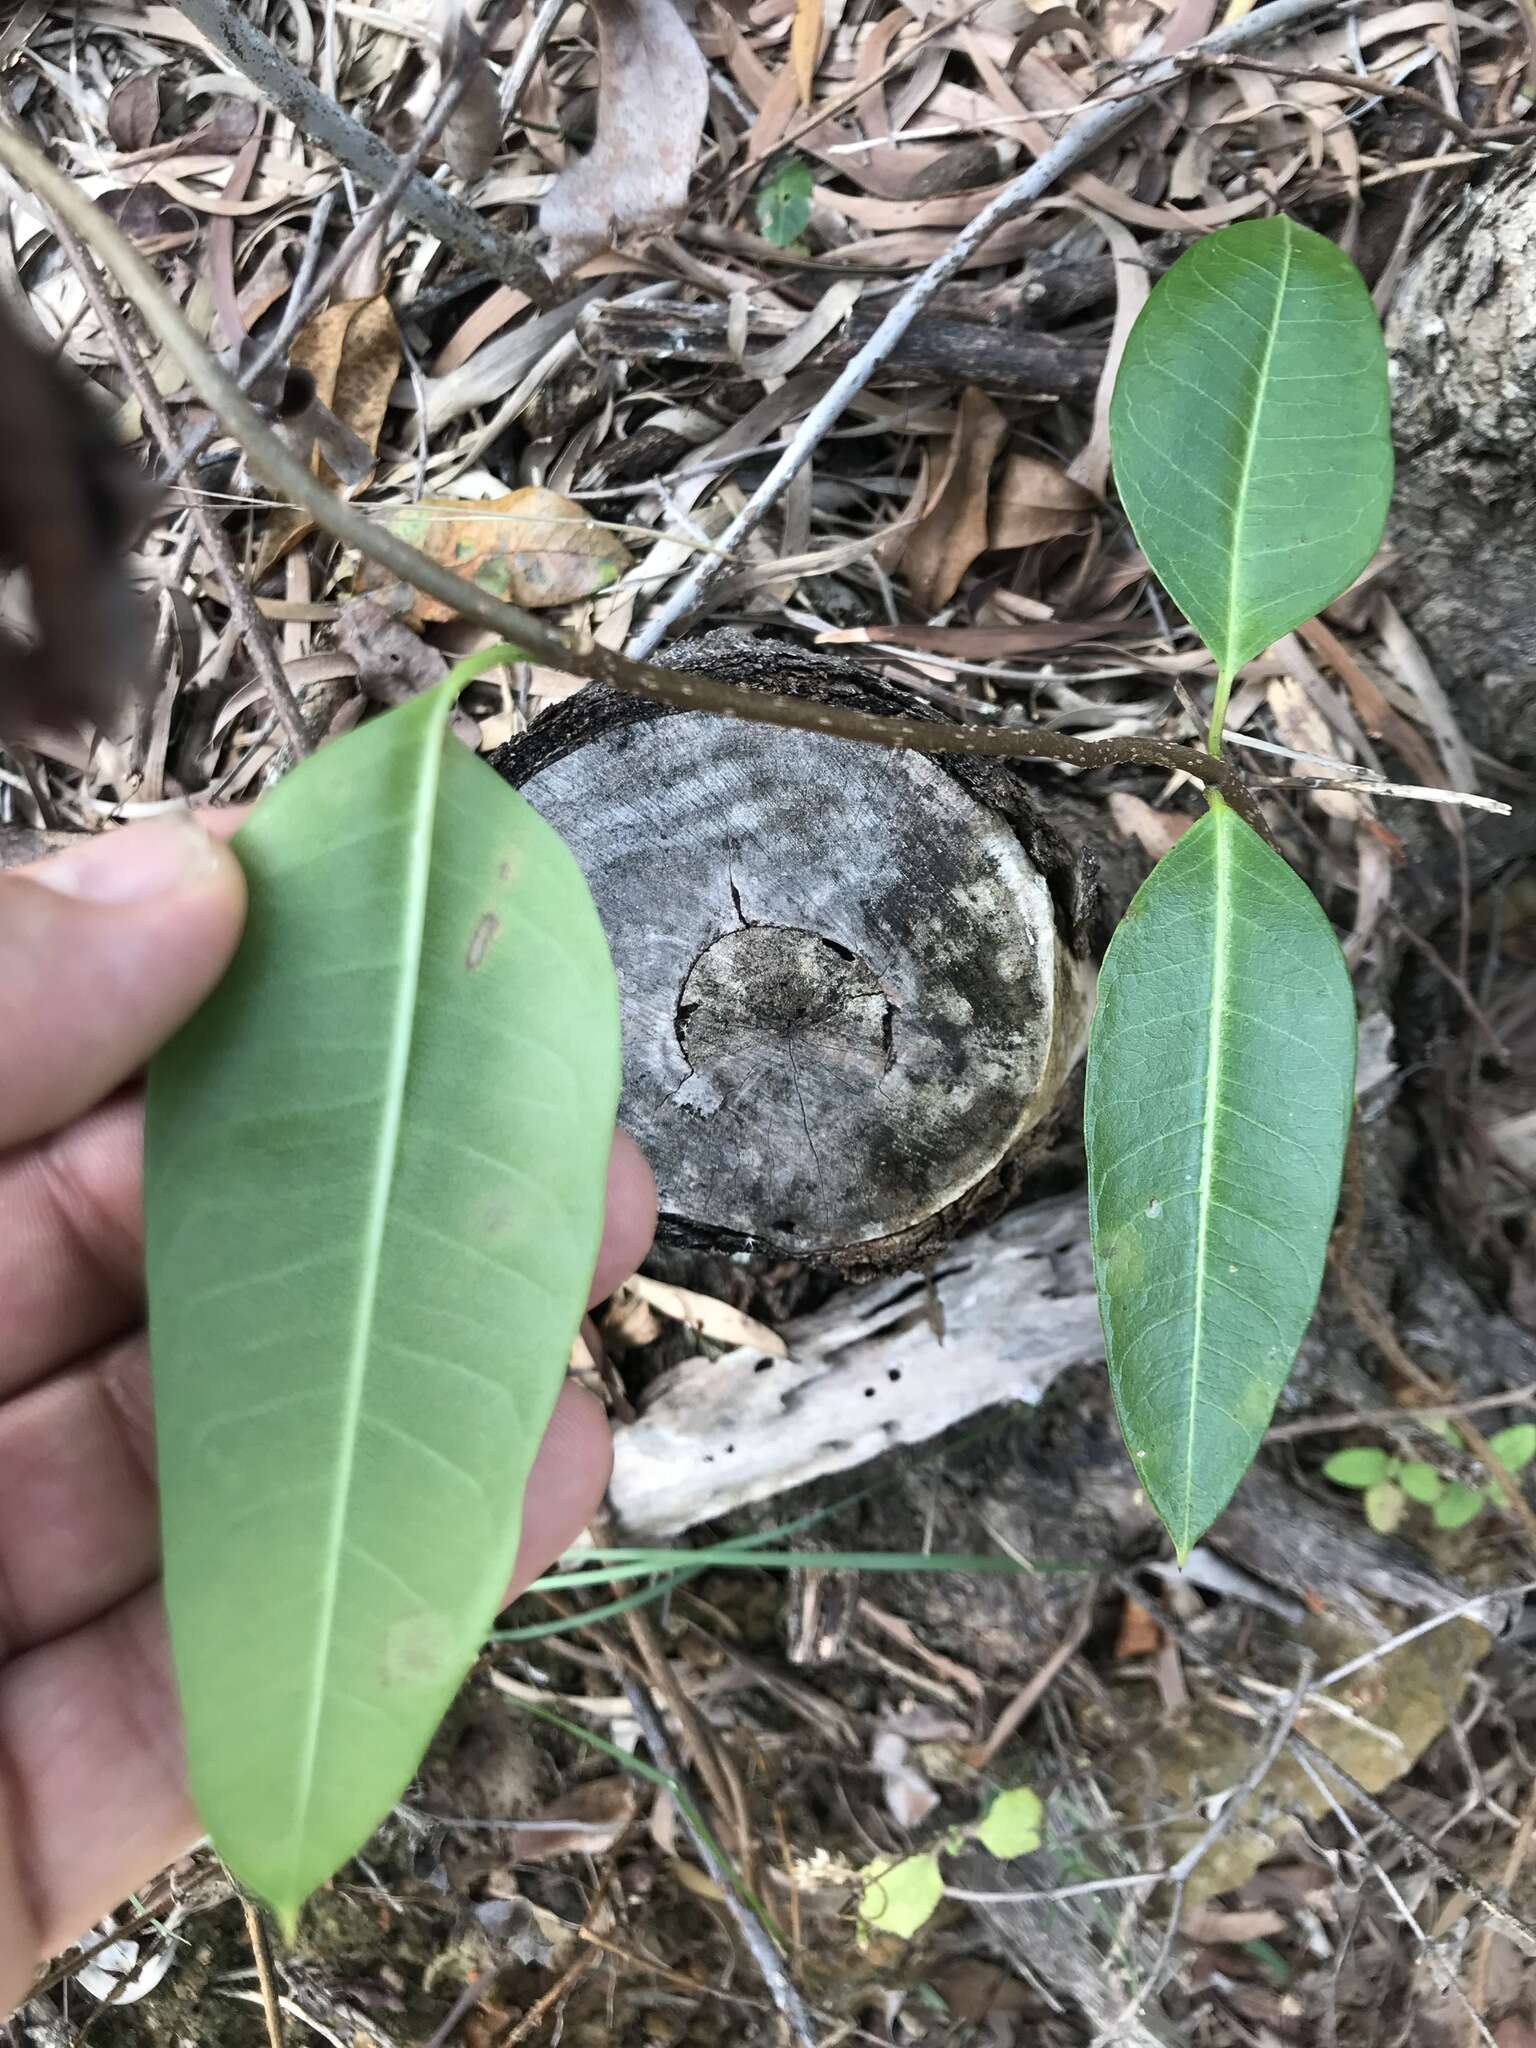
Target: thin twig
x,y
261,1954
1093,127
1386,1418
761,1948
276,463
254,629
240,43
1029,1695
1519,1931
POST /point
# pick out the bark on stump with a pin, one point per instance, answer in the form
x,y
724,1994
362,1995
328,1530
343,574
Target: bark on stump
x,y
852,978
1462,336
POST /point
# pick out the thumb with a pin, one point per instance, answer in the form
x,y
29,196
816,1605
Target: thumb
x,y
104,951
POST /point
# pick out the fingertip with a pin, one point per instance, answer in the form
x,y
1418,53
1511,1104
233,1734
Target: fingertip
x,y
629,1222
567,1483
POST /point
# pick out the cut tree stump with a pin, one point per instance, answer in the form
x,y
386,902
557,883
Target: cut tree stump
x,y
853,979
1462,337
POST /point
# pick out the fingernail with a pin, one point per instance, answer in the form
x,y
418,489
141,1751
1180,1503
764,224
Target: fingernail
x,y
133,865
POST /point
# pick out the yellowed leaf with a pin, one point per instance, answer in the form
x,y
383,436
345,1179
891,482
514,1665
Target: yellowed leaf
x,y
953,529
532,547
1035,500
805,46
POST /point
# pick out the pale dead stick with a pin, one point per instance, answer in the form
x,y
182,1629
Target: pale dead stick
x,y
284,473
1088,133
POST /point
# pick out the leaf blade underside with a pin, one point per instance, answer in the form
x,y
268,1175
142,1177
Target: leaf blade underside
x,y
1219,1093
375,1165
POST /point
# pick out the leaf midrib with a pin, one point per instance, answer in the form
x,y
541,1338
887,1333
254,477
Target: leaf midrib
x,y
386,1162
1222,895
1250,446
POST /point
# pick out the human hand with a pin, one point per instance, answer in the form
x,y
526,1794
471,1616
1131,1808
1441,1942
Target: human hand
x,y
104,951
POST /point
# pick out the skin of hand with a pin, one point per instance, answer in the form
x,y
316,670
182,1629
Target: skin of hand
x,y
105,949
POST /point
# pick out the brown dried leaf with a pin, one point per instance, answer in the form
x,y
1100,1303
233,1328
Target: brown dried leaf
x,y
1301,725
1140,1634
133,112
353,353
710,1317
953,529
352,350
1210,1923
532,547
1153,830
1036,500
586,1820
974,1990
393,663
652,96
472,138
1515,2033
805,46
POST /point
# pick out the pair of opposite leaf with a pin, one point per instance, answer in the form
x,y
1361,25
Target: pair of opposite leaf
x,y
376,1158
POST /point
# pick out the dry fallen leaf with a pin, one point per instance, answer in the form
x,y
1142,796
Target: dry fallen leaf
x,y
393,663
1211,1924
953,529
712,1318
1154,831
652,96
805,46
1034,501
1301,725
1140,1633
532,547
586,1820
133,112
472,138
352,351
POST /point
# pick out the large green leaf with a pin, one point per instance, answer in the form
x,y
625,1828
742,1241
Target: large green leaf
x,y
1219,1091
374,1190
1250,432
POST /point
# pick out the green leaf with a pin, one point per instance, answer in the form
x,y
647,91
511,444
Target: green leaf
x,y
1359,1466
1218,1099
1249,426
1421,1483
1514,1447
1459,1505
899,1898
1011,1825
783,203
375,1164
1385,1506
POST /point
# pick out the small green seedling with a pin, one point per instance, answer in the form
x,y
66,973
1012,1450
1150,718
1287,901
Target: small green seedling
x,y
1388,1485
783,203
900,1895
1250,437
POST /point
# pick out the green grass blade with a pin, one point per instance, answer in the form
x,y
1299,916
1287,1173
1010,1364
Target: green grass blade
x,y
1250,432
374,1187
1218,1100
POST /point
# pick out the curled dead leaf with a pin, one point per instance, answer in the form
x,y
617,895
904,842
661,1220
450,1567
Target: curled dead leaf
x,y
1035,500
532,547
652,96
952,531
